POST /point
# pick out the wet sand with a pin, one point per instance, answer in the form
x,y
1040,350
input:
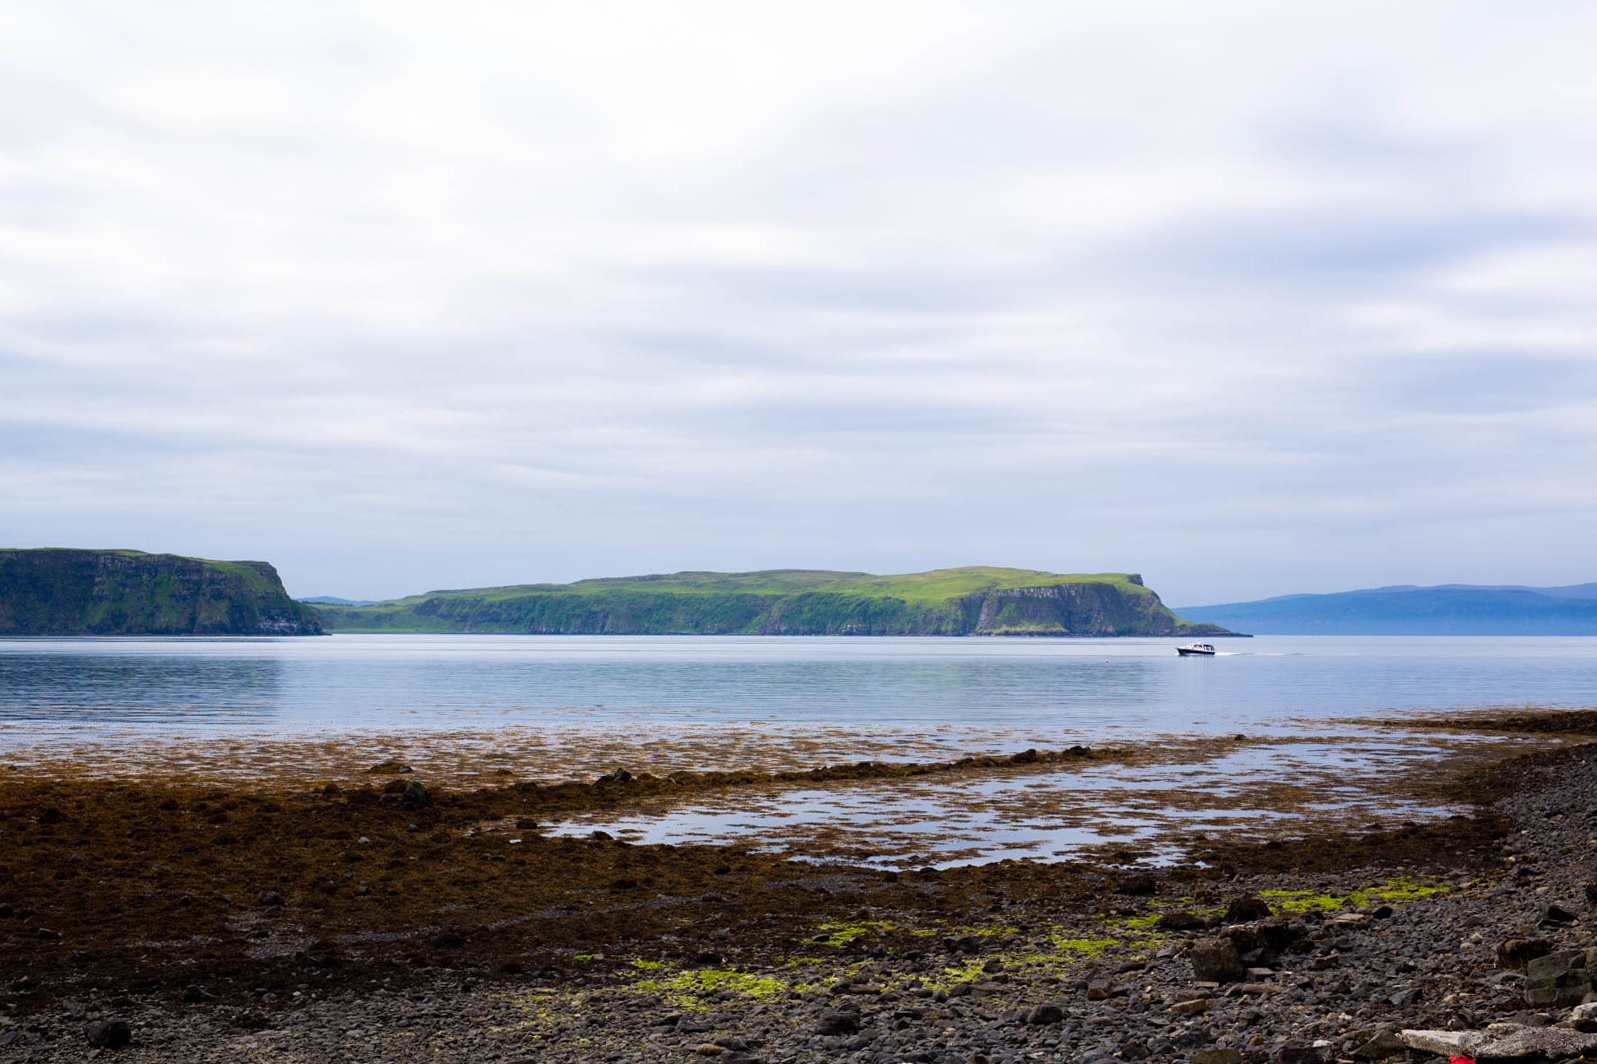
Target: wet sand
x,y
1146,799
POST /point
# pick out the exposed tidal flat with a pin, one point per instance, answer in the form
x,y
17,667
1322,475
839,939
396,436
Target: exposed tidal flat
x,y
393,922
494,849
1276,732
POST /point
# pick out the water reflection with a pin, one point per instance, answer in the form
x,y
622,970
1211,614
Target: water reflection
x,y
121,689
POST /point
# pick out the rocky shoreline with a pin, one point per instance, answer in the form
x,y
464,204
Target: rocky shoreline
x,y
1297,951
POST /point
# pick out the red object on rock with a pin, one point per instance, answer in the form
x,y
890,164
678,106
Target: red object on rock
x,y
1460,1060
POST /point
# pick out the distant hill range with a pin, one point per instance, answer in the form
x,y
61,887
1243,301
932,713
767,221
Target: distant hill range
x,y
970,601
59,591
1450,609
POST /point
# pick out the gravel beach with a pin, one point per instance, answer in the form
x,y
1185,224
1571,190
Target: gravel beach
x,y
139,924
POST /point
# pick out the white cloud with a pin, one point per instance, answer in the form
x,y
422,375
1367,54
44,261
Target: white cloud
x,y
1238,295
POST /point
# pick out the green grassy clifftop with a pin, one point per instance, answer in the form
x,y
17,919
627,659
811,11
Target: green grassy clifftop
x,y
57,591
976,600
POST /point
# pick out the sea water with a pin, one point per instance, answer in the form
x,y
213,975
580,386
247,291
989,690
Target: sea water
x,y
1079,688
1316,710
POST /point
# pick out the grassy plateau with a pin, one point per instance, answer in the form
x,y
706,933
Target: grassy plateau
x,y
974,600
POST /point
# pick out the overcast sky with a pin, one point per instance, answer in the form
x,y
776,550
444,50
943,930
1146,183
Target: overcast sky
x,y
1250,298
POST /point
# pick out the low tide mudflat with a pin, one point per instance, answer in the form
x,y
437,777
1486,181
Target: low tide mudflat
x,y
347,909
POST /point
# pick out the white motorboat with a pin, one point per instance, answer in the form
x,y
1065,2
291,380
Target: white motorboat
x,y
1196,650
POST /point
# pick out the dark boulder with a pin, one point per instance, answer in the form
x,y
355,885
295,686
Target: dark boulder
x,y
1278,934
109,1034
1180,922
1301,1055
1556,915
1380,1045
1245,907
1216,960
1515,953
1137,885
1044,1014
1245,937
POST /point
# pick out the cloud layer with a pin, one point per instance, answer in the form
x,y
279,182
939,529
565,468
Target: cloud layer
x,y
1252,300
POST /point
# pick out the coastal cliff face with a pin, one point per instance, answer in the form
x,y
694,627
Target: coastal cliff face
x,y
125,592
1078,610
953,602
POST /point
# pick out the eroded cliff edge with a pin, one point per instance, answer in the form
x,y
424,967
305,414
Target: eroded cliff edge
x,y
62,591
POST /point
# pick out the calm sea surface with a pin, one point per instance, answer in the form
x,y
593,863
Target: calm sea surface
x,y
581,705
353,683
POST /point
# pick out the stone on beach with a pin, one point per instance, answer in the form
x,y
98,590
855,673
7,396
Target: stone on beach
x,y
1217,960
1045,1013
1245,907
1504,1042
1559,979
1381,1045
834,1021
1180,921
109,1034
1225,1055
1516,953
414,796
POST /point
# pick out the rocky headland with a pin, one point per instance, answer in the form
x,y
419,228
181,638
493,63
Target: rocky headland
x,y
976,600
59,591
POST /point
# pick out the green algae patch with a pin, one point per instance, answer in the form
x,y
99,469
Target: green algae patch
x,y
1404,889
1064,953
541,1007
1133,922
798,962
1303,901
689,989
841,934
960,929
532,998
964,973
1161,908
1397,890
